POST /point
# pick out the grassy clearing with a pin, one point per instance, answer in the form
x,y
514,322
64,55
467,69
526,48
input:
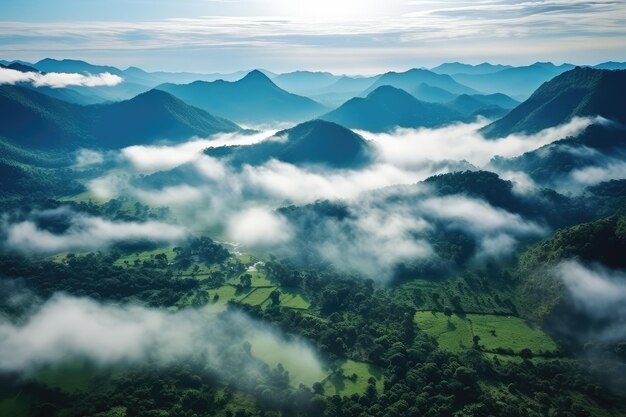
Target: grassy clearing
x,y
454,334
259,279
509,333
146,255
258,296
354,379
291,298
496,332
227,293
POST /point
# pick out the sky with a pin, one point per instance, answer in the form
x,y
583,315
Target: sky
x,y
342,36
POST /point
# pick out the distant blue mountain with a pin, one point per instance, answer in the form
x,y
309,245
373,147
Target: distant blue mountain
x,y
305,82
253,99
451,68
491,106
410,80
387,108
432,94
518,82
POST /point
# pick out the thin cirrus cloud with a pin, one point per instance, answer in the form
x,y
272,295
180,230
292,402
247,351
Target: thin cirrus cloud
x,y
253,33
58,79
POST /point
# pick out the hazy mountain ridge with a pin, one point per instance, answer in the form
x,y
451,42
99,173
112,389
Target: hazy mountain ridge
x,y
39,121
387,107
253,99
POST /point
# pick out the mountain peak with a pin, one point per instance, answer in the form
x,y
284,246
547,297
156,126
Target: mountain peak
x,y
256,76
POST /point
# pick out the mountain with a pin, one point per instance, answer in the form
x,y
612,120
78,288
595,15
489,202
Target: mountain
x,y
432,94
611,65
491,106
342,90
72,65
34,120
17,66
305,82
451,68
316,142
387,108
132,84
578,92
348,84
472,106
517,82
410,80
253,99
152,116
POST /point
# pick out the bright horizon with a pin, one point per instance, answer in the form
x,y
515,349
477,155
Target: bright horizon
x,y
348,37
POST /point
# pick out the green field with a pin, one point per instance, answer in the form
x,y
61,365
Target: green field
x,y
496,332
454,334
509,333
258,296
290,298
348,384
227,293
146,255
258,279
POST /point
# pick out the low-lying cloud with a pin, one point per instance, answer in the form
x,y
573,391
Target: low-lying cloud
x,y
204,191
67,328
600,293
258,226
59,79
463,142
82,232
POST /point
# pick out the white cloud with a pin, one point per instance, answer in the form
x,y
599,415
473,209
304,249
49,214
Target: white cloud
x,y
258,226
478,216
599,292
591,175
58,79
410,147
88,157
66,328
146,158
84,233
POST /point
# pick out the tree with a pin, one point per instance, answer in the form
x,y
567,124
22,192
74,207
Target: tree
x,y
526,354
275,297
245,280
476,339
448,312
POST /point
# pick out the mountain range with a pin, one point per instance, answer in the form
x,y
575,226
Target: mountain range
x,y
253,99
411,80
35,120
388,107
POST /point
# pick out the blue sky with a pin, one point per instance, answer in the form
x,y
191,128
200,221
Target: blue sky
x,y
343,36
